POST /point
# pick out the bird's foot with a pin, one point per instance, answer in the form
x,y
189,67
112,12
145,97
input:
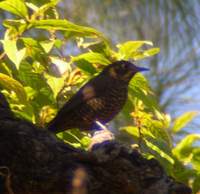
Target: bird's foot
x,y
102,135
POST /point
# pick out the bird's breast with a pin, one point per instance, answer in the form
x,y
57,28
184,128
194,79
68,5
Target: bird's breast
x,y
116,99
105,106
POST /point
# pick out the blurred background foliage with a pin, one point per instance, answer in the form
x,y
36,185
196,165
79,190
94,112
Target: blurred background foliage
x,y
47,51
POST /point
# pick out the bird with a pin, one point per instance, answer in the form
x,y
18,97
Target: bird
x,y
100,99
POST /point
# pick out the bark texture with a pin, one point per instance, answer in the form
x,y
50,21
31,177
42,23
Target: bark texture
x,y
34,161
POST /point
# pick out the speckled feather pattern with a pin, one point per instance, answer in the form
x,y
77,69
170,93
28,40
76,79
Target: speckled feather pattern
x,y
101,98
102,108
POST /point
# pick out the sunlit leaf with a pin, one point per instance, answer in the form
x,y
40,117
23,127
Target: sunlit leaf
x,y
86,67
42,93
29,77
65,25
32,45
16,7
131,130
13,23
41,10
26,112
139,81
35,50
30,92
56,84
160,147
97,46
58,66
134,131
46,115
151,52
158,128
183,149
58,43
47,45
14,27
127,49
146,53
75,138
183,120
196,159
12,52
139,88
92,57
32,6
153,143
5,69
11,84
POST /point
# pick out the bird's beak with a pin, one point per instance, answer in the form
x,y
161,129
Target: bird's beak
x,y
142,69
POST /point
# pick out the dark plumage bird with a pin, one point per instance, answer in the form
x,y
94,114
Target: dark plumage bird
x,y
100,99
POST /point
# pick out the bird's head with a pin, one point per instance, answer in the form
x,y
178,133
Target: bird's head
x,y
123,70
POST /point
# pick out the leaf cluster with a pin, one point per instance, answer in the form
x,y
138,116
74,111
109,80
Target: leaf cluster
x,y
37,78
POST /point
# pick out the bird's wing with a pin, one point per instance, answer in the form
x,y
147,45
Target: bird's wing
x,y
94,88
82,96
64,113
86,95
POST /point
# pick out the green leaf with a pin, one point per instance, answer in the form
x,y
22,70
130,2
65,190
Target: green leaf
x,y
15,55
47,45
15,27
144,54
183,120
29,78
26,112
86,67
56,24
196,184
76,138
30,92
159,130
133,131
56,84
151,52
16,7
139,88
151,143
97,46
127,49
139,81
85,141
92,57
196,159
11,84
5,69
32,6
59,67
35,50
183,149
43,94
160,147
13,23
58,43
41,10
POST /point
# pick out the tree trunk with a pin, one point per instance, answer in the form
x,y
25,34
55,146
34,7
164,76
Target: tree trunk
x,y
34,161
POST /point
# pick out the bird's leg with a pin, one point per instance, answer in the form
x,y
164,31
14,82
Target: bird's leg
x,y
100,126
101,135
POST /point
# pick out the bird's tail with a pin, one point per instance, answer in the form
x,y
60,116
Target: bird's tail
x,y
52,127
